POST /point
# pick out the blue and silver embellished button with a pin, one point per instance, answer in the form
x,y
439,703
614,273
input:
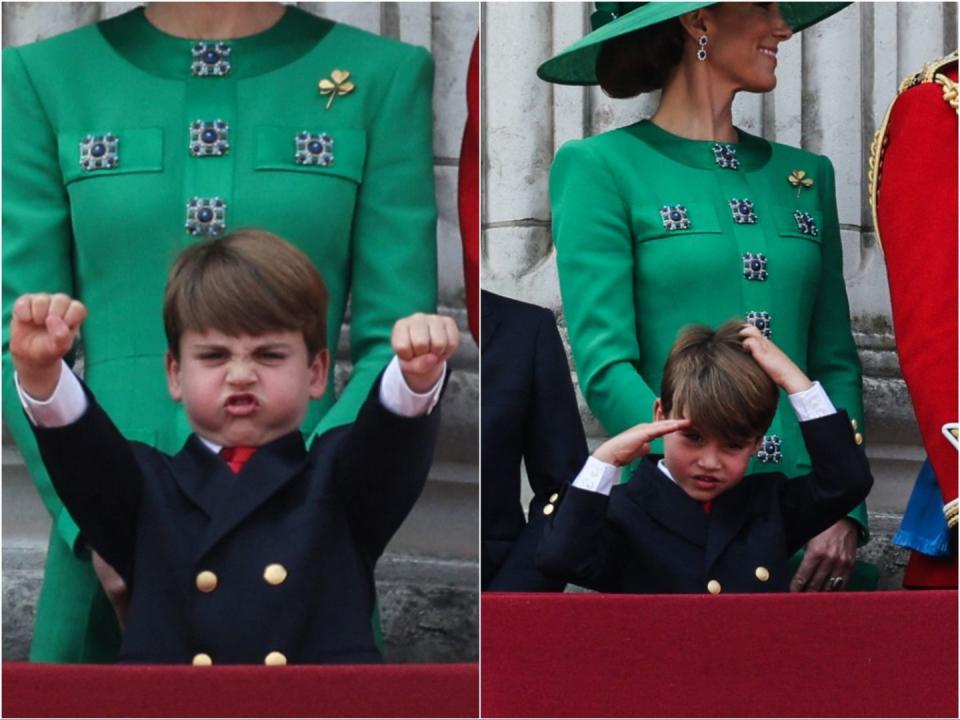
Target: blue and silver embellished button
x,y
755,266
743,211
675,217
760,319
206,216
805,222
209,138
770,449
313,149
98,152
726,156
211,59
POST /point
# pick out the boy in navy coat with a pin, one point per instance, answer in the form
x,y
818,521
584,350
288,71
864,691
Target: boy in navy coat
x,y
244,547
690,522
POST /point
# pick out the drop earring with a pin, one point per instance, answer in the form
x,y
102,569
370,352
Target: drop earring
x,y
702,52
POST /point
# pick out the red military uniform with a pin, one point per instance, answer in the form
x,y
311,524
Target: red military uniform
x,y
469,194
914,197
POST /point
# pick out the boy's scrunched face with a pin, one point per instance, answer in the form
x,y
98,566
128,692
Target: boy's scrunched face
x,y
704,466
245,391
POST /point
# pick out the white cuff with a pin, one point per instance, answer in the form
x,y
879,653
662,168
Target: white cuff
x,y
66,405
596,476
812,403
397,397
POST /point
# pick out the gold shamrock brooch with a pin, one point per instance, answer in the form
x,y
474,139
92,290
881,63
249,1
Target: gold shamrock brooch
x,y
799,179
337,84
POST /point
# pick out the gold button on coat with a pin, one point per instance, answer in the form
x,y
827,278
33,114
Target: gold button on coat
x,y
713,587
275,658
206,581
202,659
275,573
853,424
548,510
554,497
858,439
762,574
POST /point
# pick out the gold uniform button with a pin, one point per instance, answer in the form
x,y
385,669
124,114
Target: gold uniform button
x,y
206,581
858,439
275,573
548,510
275,658
554,497
713,587
202,659
762,574
853,424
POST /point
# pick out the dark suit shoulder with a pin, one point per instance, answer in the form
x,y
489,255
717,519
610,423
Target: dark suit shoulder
x,y
516,311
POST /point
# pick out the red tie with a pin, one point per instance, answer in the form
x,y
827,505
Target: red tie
x,y
236,457
707,506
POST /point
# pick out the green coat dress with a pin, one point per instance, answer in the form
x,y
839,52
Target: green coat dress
x,y
109,134
649,238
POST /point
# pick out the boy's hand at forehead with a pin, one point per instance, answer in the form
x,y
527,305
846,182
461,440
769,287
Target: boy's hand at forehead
x,y
626,447
423,343
775,363
42,331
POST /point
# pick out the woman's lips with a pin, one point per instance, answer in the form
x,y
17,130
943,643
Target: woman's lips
x,y
241,404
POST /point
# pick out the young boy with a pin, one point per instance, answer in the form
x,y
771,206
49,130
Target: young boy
x,y
245,547
691,522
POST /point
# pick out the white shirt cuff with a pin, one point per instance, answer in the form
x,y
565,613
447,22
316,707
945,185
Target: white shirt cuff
x,y
66,405
812,403
397,397
596,476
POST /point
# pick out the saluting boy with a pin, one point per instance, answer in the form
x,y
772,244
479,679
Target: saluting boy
x,y
690,522
244,547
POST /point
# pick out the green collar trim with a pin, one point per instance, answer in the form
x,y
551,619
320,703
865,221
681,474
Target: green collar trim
x,y
752,152
133,37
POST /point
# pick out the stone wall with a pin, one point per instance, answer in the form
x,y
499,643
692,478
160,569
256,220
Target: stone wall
x,y
835,81
428,579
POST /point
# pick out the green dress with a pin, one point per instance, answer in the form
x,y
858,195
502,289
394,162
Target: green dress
x,y
112,130
654,231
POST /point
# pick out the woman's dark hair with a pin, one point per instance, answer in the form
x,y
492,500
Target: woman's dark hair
x,y
640,61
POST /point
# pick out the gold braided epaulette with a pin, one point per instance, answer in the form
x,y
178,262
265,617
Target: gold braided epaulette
x,y
931,72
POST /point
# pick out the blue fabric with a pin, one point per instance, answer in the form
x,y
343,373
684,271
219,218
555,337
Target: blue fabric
x,y
924,527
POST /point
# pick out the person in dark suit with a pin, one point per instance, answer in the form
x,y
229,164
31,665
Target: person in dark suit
x,y
244,547
529,414
691,522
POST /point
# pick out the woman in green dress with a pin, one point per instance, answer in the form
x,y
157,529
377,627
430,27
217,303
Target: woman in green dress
x,y
126,140
684,218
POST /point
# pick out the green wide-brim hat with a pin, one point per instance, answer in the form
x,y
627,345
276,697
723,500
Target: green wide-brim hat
x,y
577,65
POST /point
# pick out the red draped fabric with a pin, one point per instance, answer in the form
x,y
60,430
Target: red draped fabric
x,y
882,654
35,690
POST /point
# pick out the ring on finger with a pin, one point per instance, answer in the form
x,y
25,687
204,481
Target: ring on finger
x,y
835,583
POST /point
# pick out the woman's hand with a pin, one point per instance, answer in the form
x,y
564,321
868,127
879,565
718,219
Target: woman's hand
x,y
113,586
626,447
829,555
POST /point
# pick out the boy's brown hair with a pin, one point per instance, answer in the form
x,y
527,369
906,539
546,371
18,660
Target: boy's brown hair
x,y
249,282
710,379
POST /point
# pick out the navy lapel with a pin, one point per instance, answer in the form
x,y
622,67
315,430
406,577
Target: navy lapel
x,y
269,470
489,319
730,512
667,504
201,475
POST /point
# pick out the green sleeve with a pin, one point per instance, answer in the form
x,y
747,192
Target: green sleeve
x,y
394,244
832,354
591,231
36,247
